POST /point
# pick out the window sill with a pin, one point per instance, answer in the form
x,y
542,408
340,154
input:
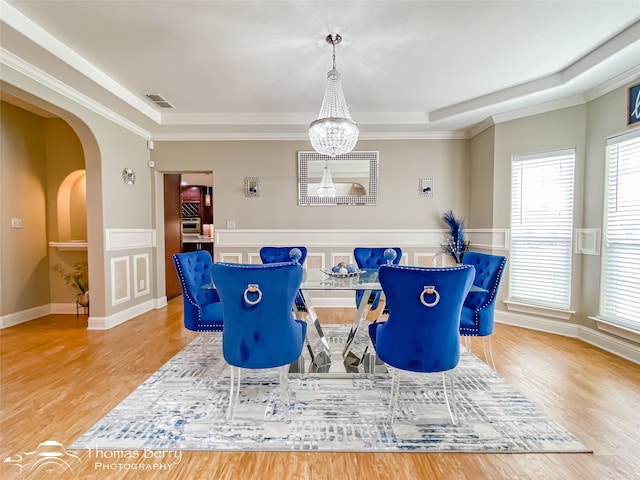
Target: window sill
x,y
538,310
629,332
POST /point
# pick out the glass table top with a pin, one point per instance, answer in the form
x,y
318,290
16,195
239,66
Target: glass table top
x,y
317,279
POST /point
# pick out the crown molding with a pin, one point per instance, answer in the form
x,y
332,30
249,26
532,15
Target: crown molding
x,y
619,81
35,33
301,136
8,59
541,108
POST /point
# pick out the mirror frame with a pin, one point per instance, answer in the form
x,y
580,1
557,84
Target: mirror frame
x,y
303,180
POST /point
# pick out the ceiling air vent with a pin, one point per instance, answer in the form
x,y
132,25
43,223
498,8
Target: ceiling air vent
x,y
158,100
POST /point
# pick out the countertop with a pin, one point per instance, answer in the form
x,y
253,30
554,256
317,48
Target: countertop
x,y
196,239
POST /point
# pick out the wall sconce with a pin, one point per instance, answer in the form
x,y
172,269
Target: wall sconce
x,y
425,187
252,186
207,197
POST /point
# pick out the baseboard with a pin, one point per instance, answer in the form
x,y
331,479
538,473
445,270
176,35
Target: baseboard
x,y
105,323
160,302
65,308
334,302
95,323
604,341
611,344
24,316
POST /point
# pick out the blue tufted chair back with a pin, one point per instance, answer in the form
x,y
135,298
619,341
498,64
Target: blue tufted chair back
x,y
478,311
372,258
202,309
417,337
280,254
264,334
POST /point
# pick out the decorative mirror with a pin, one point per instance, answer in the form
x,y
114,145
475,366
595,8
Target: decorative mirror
x,y
252,186
354,174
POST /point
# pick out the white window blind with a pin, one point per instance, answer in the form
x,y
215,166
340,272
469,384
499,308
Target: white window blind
x,y
620,283
541,229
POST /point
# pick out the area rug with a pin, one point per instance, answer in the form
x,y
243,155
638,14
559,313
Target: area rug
x,y
182,406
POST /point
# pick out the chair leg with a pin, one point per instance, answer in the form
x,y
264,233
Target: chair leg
x,y
234,390
450,397
467,343
488,353
393,398
285,394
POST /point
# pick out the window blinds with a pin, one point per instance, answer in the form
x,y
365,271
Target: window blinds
x,y
620,282
541,229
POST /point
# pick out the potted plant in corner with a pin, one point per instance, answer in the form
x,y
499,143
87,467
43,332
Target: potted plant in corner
x,y
76,278
455,244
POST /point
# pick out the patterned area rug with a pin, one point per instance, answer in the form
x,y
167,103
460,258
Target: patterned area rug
x,y
182,407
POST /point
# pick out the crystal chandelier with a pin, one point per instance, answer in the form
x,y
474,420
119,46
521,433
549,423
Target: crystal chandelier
x,y
334,132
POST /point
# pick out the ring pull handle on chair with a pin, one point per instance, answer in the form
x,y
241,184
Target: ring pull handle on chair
x,y
252,288
429,290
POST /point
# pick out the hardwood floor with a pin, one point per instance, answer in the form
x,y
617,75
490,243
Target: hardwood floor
x,y
58,379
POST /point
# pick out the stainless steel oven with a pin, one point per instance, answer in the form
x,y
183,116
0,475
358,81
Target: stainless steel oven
x,y
191,225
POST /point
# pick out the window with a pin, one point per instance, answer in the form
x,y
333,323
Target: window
x,y
541,229
620,282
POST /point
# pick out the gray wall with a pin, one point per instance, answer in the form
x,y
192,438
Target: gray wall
x,y
275,162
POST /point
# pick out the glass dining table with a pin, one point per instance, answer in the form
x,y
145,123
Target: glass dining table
x,y
356,355
357,341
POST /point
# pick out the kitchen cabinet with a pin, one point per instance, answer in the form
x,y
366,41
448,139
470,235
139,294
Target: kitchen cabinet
x,y
191,194
197,242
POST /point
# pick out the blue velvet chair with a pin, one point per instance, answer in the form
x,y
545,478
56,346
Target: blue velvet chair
x,y
260,330
478,310
202,308
370,258
422,333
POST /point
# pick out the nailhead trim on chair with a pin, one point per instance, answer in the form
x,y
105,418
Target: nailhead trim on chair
x,y
203,327
476,319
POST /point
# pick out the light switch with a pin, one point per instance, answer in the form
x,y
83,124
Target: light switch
x,y
231,224
16,223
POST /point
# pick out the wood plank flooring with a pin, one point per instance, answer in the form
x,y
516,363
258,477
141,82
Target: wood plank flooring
x,y
58,379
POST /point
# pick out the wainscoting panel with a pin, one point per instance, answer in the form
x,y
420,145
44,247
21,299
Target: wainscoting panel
x,y
127,238
254,257
315,260
587,241
230,257
337,257
120,280
141,275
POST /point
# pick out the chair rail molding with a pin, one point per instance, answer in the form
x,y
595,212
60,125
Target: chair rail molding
x,y
497,239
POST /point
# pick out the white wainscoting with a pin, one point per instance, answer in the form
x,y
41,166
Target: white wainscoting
x,y
129,238
333,244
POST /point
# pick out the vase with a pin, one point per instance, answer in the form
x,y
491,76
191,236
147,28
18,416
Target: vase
x,y
83,299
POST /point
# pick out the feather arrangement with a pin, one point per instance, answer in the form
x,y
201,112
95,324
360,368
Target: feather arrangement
x,y
455,244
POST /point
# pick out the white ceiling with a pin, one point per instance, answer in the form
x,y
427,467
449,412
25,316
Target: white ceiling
x,y
257,69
